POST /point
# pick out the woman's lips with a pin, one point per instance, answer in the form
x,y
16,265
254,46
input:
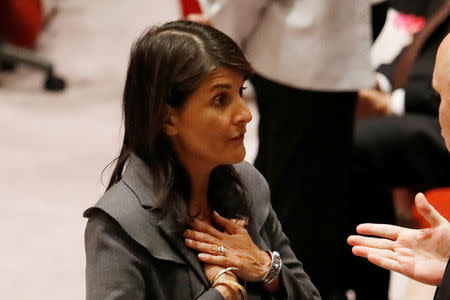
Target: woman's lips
x,y
239,137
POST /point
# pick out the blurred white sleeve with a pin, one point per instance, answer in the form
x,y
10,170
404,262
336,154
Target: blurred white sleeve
x,y
397,103
383,82
236,18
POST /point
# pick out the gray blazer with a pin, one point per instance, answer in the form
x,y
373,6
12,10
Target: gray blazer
x,y
130,254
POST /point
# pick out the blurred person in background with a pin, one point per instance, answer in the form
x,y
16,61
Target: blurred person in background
x,y
423,254
311,57
156,233
399,142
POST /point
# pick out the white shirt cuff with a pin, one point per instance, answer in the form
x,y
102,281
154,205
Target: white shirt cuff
x,y
397,103
383,83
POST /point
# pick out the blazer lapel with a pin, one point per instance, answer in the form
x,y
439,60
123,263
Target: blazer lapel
x,y
254,230
177,242
138,178
163,243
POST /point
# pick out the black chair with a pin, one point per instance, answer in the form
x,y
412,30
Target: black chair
x,y
11,55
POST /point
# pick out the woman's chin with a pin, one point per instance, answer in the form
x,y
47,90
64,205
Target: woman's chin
x,y
232,157
240,156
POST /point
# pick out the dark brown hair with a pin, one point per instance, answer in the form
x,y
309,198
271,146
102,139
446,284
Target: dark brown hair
x,y
167,63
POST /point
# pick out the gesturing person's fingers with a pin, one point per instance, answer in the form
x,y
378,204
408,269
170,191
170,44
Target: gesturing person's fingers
x,y
382,230
387,263
379,243
366,251
428,211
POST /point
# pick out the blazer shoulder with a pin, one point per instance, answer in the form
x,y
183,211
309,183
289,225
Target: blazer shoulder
x,y
114,201
257,191
141,224
254,182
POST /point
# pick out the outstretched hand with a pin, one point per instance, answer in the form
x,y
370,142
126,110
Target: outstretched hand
x,y
239,249
421,254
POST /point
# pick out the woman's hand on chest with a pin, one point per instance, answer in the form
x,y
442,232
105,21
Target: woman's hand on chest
x,y
232,247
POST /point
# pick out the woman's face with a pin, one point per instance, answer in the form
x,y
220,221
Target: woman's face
x,y
209,129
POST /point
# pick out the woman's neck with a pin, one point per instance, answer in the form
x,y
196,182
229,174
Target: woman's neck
x,y
198,202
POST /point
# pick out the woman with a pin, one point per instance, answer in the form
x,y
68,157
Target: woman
x,y
173,221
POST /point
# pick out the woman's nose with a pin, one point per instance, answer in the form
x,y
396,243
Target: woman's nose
x,y
243,114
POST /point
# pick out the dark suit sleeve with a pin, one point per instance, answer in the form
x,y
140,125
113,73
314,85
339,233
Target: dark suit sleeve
x,y
296,282
443,291
420,98
419,94
112,270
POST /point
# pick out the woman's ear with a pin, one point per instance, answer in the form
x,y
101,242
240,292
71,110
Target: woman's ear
x,y
170,121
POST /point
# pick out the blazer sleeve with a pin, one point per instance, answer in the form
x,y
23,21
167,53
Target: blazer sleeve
x,y
296,282
112,270
443,291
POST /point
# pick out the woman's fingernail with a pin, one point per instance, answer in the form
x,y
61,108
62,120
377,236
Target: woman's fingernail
x,y
201,255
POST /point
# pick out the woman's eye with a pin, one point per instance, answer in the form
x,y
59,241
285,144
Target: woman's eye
x,y
220,100
241,90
